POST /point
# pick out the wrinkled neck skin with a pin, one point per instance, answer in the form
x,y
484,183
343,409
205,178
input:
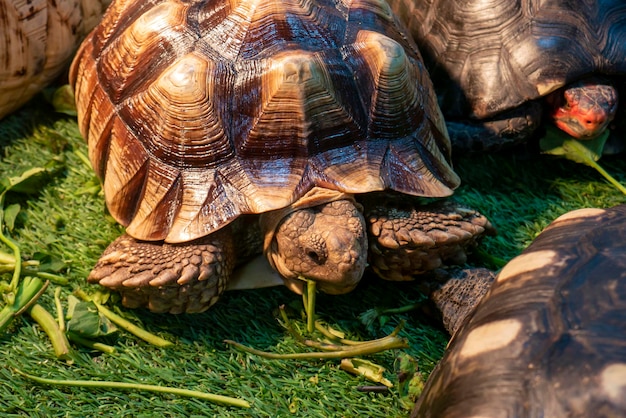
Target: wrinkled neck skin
x,y
321,237
584,109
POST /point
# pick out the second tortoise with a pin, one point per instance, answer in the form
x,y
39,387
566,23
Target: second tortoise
x,y
548,338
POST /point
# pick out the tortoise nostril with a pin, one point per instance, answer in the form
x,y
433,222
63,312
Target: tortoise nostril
x,y
317,258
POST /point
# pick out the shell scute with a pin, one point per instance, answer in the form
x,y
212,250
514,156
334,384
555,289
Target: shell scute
x,y
205,194
301,109
126,168
144,49
159,204
178,115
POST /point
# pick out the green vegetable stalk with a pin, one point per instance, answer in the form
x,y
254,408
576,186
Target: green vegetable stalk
x,y
220,399
58,339
27,293
124,324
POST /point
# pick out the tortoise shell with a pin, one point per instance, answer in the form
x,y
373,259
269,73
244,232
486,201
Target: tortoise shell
x,y
197,111
489,56
549,337
37,41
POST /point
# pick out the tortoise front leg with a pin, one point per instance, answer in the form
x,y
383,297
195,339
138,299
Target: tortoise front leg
x,y
407,239
174,278
503,130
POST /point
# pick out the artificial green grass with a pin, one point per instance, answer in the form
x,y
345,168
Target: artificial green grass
x,y
66,220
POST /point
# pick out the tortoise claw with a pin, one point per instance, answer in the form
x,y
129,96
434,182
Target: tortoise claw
x,y
165,277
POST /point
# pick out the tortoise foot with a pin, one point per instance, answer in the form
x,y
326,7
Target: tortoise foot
x,y
408,239
503,131
172,278
455,292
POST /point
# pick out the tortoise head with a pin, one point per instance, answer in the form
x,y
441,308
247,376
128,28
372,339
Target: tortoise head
x,y
318,239
584,109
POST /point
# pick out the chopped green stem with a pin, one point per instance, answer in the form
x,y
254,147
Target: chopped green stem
x,y
220,399
360,367
607,176
390,342
54,278
8,259
323,346
350,344
28,293
364,345
90,344
133,329
310,305
125,324
344,341
6,317
326,333
59,309
309,343
47,322
373,389
7,268
287,325
401,309
16,255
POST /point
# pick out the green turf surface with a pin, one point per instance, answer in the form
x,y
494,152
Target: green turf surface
x,y
67,220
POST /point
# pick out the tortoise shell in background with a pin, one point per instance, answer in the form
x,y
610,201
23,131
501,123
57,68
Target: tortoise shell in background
x,y
549,337
488,57
38,38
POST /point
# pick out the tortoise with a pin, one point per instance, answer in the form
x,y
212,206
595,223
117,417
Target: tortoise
x,y
308,131
548,339
38,39
498,66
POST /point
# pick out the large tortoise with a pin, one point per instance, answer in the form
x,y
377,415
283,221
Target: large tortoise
x,y
216,125
38,39
495,64
549,337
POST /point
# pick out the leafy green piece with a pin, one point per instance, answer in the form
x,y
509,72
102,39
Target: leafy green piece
x,y
87,321
48,262
382,316
28,182
82,330
10,214
557,142
410,380
64,101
